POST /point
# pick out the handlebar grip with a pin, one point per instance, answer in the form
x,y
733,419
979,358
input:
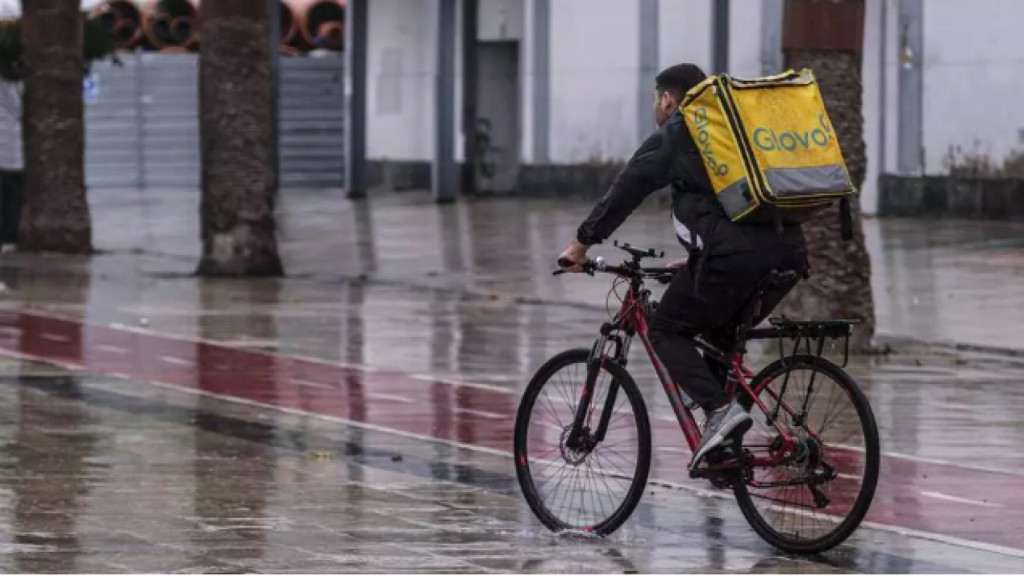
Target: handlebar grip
x,y
565,263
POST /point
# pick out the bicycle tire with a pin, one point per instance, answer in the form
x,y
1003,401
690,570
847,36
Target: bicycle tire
x,y
522,462
871,468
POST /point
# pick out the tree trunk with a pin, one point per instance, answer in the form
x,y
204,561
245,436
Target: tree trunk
x,y
55,217
239,233
840,283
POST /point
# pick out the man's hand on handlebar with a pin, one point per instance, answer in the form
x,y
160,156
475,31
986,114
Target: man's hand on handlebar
x,y
573,257
574,260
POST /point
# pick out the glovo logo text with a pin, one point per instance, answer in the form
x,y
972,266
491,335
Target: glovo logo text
x,y
769,140
701,122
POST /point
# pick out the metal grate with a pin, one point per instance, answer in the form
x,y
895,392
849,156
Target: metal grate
x,y
142,130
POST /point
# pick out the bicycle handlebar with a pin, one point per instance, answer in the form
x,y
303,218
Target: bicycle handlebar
x,y
661,274
628,269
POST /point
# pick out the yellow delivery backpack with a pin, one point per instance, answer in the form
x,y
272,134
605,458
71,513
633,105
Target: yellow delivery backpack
x,y
768,147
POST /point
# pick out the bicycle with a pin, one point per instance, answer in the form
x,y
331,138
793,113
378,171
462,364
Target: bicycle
x,y
821,474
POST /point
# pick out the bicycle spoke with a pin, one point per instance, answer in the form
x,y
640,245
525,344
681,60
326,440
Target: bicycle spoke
x,y
582,489
620,471
791,509
603,478
553,412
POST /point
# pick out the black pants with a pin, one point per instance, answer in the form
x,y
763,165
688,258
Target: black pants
x,y
11,183
712,309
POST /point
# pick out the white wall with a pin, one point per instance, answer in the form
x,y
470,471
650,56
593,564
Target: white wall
x,y
685,35
500,20
871,79
684,32
594,79
527,80
745,38
973,77
401,67
595,86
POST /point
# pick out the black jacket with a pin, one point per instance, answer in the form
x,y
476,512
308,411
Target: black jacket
x,y
670,157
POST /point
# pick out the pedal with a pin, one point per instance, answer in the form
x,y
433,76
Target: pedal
x,y
720,479
719,456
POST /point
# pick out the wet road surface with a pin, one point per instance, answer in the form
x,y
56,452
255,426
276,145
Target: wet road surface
x,y
153,422
105,473
947,280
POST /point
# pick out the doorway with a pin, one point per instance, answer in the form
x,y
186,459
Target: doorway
x,y
498,115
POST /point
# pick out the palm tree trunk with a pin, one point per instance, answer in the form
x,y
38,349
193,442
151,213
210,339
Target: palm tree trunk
x,y
840,283
238,229
55,216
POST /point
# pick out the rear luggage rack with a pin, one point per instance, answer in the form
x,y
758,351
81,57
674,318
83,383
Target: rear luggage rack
x,y
805,332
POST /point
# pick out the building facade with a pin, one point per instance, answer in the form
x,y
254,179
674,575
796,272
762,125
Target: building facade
x,y
569,82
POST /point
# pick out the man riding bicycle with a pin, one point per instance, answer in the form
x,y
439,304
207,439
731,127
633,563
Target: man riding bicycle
x,y
726,260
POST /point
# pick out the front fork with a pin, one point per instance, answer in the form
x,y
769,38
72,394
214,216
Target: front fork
x,y
581,438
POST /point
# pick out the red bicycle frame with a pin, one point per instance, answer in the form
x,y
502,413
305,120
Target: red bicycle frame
x,y
632,315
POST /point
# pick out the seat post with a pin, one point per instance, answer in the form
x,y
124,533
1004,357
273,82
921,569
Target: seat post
x,y
752,308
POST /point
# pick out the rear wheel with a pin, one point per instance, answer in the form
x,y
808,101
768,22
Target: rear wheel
x,y
593,489
821,494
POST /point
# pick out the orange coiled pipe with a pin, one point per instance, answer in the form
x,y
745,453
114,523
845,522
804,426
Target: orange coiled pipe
x,y
123,19
171,23
321,23
289,25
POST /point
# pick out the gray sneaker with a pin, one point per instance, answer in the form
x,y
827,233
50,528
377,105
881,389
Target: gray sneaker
x,y
733,421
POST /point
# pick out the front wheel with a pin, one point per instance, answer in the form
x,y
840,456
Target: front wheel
x,y
591,485
821,493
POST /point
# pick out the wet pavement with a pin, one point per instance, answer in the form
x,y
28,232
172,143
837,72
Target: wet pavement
x,y
357,415
934,280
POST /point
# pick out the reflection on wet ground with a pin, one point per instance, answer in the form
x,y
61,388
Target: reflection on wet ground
x,y
356,416
945,280
107,475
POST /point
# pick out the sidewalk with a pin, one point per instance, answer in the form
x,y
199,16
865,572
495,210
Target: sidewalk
x,y
407,318
458,292
945,281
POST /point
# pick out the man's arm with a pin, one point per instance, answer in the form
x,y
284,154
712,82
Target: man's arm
x,y
648,170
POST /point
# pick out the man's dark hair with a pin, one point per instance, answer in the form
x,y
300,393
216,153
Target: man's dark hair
x,y
677,80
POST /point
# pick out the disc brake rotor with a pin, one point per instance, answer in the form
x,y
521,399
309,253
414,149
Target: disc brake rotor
x,y
572,457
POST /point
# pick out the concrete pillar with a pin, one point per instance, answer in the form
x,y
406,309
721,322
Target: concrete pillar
x,y
720,37
356,55
470,72
773,61
910,83
648,50
541,81
444,177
